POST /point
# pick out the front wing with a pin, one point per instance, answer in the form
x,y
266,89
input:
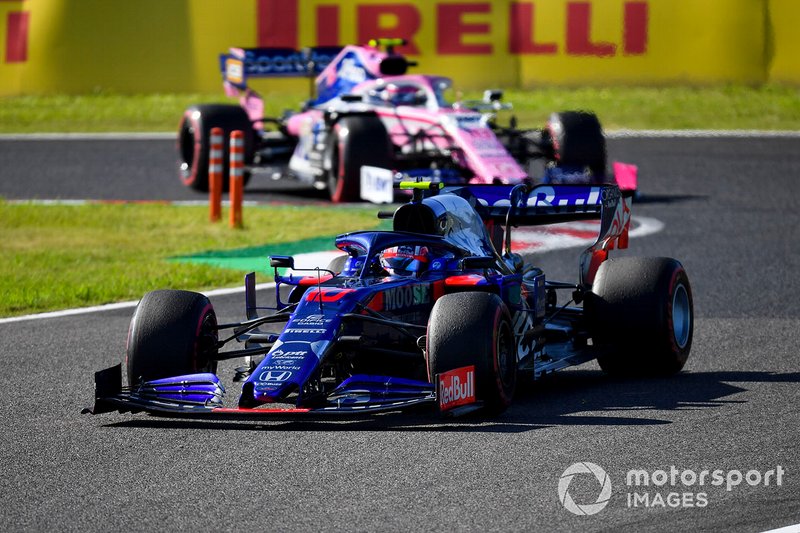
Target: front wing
x,y
200,396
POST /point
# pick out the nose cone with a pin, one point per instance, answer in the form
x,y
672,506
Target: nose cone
x,y
289,364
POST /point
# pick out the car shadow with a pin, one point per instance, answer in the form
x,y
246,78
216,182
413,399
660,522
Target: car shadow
x,y
571,398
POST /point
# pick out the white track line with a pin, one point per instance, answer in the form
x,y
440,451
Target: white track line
x,y
788,529
119,305
611,134
108,136
690,134
646,226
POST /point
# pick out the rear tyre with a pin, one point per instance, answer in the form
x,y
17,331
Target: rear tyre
x,y
578,141
474,328
171,333
194,141
640,309
355,142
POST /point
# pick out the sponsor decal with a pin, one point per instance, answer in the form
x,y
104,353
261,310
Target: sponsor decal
x,y
276,376
305,331
406,296
377,185
587,197
469,121
466,28
234,71
288,355
456,387
312,320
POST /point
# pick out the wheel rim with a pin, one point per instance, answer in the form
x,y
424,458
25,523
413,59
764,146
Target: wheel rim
x,y
681,316
206,343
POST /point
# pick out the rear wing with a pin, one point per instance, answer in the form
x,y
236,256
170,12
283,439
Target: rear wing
x,y
542,204
241,64
336,70
516,205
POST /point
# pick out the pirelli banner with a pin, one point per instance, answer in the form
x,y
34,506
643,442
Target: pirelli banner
x,y
156,45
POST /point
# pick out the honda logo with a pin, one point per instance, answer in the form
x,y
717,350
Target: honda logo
x,y
274,376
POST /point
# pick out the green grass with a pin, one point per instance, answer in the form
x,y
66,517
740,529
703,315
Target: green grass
x,y
728,107
58,256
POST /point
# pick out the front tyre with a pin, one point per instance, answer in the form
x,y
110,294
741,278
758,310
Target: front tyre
x,y
578,141
474,328
641,310
194,141
172,333
356,141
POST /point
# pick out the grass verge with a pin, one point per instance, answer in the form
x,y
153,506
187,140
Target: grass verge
x,y
728,107
59,256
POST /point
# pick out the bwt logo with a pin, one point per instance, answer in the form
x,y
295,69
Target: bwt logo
x,y
588,508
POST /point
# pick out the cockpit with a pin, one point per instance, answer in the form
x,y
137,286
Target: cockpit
x,y
419,91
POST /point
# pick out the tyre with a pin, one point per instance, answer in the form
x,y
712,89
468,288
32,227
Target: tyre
x,y
194,142
171,333
641,311
356,141
474,328
578,141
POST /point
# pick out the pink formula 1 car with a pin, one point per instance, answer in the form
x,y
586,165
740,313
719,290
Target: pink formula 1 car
x,y
368,112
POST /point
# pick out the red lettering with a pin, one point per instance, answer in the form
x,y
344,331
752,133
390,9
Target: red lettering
x,y
521,38
450,28
407,21
579,43
17,37
276,22
328,25
634,37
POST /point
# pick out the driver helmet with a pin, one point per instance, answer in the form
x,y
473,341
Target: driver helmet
x,y
405,260
402,94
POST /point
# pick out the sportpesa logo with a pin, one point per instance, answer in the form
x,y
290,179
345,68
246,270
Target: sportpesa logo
x,y
588,508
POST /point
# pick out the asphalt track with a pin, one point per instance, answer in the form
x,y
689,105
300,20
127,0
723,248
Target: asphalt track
x,y
730,213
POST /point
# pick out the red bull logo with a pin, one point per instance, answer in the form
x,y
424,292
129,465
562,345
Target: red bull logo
x,y
456,387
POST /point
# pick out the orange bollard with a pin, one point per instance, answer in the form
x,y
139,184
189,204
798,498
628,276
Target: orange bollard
x,y
236,177
215,176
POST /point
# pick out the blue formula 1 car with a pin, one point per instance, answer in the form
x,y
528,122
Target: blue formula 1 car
x,y
438,311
